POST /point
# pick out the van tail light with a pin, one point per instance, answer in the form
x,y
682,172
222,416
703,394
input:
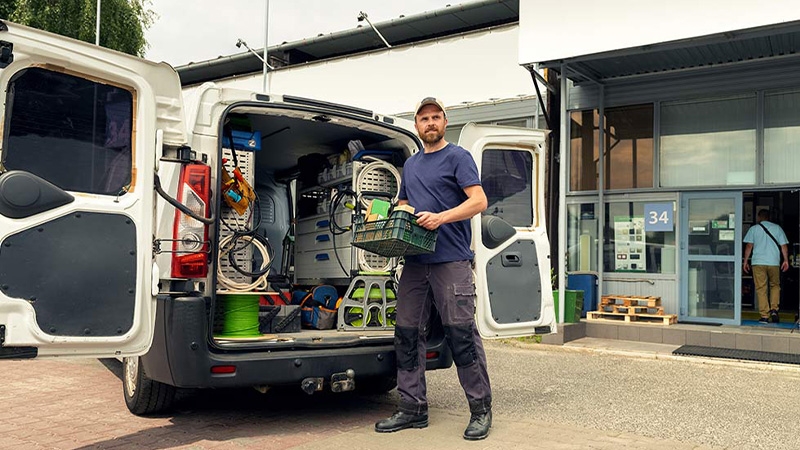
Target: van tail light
x,y
190,245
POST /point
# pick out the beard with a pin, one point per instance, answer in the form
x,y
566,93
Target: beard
x,y
432,136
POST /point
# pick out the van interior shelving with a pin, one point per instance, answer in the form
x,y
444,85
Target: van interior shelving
x,y
294,208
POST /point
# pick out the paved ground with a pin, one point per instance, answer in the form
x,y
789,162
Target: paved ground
x,y
588,395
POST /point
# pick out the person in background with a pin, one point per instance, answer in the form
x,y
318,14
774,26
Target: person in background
x,y
443,185
768,244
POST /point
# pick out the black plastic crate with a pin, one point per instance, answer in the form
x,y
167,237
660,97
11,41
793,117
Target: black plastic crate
x,y
276,319
399,235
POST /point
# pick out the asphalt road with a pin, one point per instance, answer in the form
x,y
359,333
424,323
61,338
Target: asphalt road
x,y
752,406
544,398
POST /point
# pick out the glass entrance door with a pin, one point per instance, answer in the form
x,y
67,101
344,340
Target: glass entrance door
x,y
711,236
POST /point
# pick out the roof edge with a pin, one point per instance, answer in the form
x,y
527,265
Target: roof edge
x,y
245,62
714,38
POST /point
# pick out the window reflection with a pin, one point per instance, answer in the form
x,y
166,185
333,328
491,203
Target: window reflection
x,y
708,143
507,179
628,140
782,137
582,237
73,132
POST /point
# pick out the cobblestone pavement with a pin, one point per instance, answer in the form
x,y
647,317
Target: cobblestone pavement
x,y
545,398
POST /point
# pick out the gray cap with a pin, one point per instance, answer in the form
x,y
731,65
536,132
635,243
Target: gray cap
x,y
430,101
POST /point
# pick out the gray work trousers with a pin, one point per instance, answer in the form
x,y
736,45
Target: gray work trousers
x,y
450,287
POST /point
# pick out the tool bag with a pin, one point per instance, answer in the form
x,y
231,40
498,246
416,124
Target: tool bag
x,y
319,308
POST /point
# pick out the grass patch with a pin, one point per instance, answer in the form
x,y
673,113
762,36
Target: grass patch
x,y
535,339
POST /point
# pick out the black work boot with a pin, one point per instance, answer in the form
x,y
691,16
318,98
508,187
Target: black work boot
x,y
400,421
479,424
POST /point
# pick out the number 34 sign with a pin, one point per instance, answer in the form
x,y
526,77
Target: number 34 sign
x,y
658,217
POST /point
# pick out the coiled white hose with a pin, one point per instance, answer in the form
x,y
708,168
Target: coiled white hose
x,y
376,164
259,284
364,263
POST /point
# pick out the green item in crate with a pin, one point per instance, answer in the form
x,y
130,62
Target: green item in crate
x,y
379,207
574,305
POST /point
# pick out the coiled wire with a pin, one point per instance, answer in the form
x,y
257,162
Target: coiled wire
x,y
241,238
334,227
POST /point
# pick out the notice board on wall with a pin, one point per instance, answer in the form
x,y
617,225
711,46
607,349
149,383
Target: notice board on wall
x,y
629,244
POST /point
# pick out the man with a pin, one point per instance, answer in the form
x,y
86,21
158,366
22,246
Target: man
x,y
443,185
767,242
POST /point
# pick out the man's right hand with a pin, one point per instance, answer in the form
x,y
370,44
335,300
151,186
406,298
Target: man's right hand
x,y
746,267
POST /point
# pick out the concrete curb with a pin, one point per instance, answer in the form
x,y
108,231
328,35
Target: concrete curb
x,y
576,346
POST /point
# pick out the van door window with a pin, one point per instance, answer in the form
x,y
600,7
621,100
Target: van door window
x,y
71,131
507,179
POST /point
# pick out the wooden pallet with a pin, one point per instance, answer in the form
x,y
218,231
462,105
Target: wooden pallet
x,y
658,319
630,300
622,309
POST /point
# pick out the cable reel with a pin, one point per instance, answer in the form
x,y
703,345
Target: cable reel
x,y
354,316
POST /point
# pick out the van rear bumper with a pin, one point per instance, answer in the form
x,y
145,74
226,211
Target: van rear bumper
x,y
180,355
280,368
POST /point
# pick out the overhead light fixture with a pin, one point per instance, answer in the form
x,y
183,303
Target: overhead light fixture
x,y
362,16
240,43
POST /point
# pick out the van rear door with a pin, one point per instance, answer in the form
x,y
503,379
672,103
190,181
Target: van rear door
x,y
82,130
512,252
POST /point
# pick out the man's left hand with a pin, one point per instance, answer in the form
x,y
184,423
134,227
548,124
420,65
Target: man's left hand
x,y
429,220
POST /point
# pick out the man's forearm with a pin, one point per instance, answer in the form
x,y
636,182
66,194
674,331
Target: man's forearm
x,y
466,210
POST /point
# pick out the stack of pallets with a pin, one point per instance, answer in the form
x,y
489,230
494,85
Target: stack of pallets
x,y
631,308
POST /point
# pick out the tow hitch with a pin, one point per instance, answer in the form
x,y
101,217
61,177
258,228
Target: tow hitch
x,y
344,381
340,382
311,385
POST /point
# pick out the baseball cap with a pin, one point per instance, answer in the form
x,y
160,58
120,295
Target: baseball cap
x,y
430,101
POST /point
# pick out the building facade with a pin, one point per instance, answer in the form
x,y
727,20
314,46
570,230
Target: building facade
x,y
672,140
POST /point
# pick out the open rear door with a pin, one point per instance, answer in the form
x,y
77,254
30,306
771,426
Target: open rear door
x,y
512,252
81,130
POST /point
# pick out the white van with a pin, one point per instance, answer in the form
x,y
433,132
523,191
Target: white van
x,y
112,217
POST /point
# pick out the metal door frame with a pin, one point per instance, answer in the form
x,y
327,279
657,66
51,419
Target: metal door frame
x,y
685,258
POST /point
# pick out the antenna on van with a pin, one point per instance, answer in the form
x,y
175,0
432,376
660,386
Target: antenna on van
x,y
363,16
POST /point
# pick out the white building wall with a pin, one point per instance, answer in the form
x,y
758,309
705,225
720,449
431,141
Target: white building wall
x,y
585,27
467,68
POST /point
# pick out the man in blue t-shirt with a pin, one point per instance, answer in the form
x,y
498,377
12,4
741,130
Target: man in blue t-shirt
x,y
443,186
767,242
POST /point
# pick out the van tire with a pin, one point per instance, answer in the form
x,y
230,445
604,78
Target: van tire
x,y
144,396
376,385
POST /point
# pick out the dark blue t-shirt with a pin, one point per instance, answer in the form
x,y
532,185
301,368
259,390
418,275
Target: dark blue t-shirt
x,y
435,182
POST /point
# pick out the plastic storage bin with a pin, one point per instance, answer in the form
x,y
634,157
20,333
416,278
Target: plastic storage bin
x,y
586,282
243,140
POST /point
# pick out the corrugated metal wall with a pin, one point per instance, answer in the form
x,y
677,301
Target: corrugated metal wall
x,y
489,111
747,77
495,111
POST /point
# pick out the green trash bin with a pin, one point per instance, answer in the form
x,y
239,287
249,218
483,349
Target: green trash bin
x,y
574,305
